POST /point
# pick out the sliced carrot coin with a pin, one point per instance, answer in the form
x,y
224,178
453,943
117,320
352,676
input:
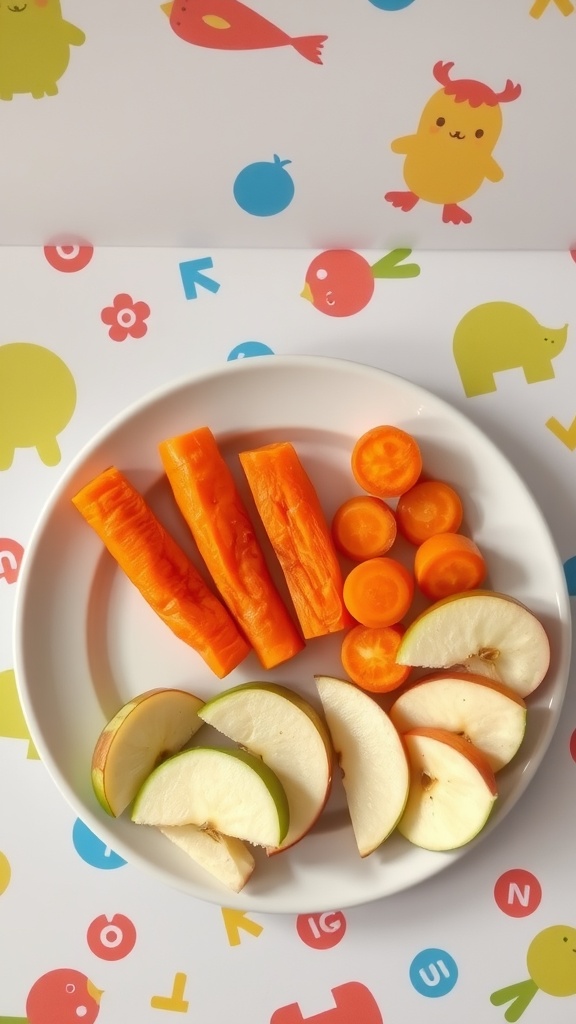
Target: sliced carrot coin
x,y
364,527
378,592
386,461
430,507
368,657
448,563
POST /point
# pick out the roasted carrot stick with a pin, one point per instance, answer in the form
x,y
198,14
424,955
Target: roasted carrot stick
x,y
208,498
290,510
160,569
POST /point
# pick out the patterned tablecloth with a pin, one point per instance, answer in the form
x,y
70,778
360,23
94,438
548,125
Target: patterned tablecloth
x,y
243,157
121,323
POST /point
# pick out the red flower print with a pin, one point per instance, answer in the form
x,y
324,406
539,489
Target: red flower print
x,y
126,317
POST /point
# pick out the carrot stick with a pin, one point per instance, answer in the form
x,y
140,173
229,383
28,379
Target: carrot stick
x,y
160,569
430,507
363,527
378,592
448,563
386,461
368,657
290,510
208,498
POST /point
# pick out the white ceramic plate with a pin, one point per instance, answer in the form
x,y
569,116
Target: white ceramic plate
x,y
86,642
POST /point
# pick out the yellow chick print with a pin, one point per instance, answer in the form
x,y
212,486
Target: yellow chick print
x,y
35,46
450,155
551,963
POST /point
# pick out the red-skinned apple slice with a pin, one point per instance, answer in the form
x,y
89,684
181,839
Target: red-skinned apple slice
x,y
452,790
149,728
484,632
374,767
224,857
488,714
288,734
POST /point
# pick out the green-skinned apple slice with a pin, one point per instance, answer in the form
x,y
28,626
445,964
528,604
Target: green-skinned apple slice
x,y
452,790
145,731
227,790
488,714
484,632
375,772
284,730
224,857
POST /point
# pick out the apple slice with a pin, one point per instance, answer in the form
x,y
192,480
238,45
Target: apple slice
x,y
226,858
284,730
145,731
375,772
227,790
452,790
484,632
488,714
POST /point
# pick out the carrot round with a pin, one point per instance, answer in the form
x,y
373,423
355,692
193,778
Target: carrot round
x,y
378,592
363,527
160,569
210,502
430,507
368,657
290,510
448,563
386,461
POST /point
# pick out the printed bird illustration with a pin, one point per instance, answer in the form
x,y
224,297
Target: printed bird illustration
x,y
551,963
450,155
230,25
340,282
63,996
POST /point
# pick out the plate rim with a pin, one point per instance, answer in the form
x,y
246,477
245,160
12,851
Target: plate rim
x,y
140,406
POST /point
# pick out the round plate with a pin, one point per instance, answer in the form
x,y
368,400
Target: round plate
x,y
86,642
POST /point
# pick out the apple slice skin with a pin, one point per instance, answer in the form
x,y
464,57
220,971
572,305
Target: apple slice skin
x,y
230,791
372,758
490,715
224,857
152,726
452,790
477,639
307,782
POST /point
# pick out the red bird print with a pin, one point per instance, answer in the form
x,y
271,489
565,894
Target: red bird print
x,y
340,282
63,996
230,25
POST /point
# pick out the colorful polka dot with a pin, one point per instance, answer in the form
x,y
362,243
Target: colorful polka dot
x,y
517,892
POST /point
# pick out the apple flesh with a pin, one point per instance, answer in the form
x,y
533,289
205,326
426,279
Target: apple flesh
x,y
484,632
226,858
226,790
375,772
452,790
488,714
289,735
145,731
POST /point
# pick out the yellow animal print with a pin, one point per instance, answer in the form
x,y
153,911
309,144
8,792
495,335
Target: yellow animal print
x,y
35,46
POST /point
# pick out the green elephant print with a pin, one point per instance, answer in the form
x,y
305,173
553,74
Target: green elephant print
x,y
35,43
499,336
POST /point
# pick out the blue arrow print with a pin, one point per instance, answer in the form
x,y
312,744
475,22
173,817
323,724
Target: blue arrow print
x,y
193,278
